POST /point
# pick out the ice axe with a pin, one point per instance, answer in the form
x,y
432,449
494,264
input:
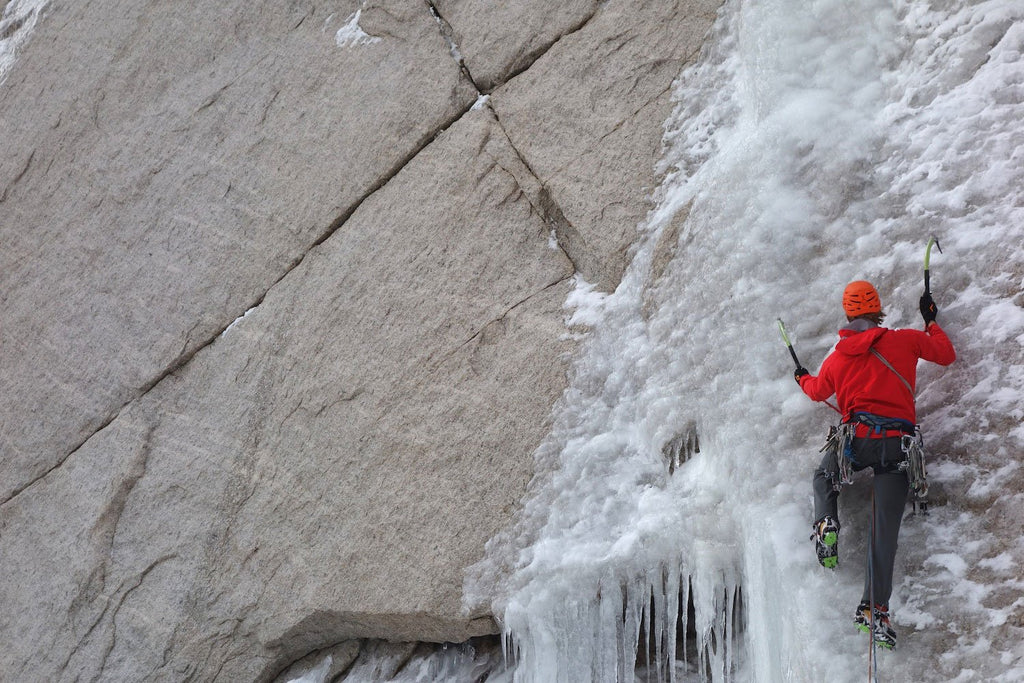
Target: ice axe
x,y
792,352
927,261
789,344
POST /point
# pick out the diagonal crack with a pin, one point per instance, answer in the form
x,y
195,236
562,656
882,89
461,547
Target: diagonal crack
x,y
542,50
566,234
501,317
449,36
18,177
527,61
186,356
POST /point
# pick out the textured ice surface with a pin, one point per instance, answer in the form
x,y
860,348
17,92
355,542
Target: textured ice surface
x,y
813,144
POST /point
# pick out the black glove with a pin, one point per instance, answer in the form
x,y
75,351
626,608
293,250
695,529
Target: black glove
x,y
928,309
800,371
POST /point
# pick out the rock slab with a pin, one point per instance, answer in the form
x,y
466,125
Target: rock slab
x,y
281,311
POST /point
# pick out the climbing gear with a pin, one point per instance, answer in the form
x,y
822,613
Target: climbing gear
x,y
826,542
877,623
872,610
928,308
785,338
860,298
927,260
911,443
913,465
800,369
880,424
839,443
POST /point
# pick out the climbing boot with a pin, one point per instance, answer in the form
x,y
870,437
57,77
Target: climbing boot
x,y
826,542
883,632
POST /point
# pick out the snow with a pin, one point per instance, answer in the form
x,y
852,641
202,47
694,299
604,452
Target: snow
x,y
351,34
317,674
813,144
19,20
236,321
586,303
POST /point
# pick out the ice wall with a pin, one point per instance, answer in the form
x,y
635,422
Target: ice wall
x,y
814,143
16,24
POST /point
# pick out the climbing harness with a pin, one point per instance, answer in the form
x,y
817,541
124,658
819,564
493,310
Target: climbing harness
x,y
839,443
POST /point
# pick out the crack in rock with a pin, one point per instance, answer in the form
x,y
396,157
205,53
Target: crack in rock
x,y
120,603
106,527
499,319
18,177
531,57
449,37
186,356
565,235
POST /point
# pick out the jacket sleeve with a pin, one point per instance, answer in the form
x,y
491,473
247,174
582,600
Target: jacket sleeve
x,y
935,346
820,386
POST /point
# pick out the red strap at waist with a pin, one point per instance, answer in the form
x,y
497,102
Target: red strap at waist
x,y
864,430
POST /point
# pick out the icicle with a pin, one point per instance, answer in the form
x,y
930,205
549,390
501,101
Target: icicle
x,y
672,619
685,614
658,617
630,630
647,620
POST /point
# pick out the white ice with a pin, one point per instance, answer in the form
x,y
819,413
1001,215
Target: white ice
x,y
317,674
16,26
351,34
813,143
237,320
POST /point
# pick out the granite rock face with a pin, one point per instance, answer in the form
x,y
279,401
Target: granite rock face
x,y
190,493
500,40
168,165
588,117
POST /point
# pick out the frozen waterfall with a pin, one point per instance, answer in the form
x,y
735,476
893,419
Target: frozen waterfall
x,y
665,535
813,144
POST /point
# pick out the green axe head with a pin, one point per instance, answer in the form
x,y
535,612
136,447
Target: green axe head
x,y
928,250
927,261
782,331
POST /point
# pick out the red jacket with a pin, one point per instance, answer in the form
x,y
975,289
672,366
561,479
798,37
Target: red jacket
x,y
862,383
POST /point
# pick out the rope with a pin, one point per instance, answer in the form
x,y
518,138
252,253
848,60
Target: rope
x,y
832,406
872,669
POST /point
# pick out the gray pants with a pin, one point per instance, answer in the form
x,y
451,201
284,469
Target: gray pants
x,y
890,494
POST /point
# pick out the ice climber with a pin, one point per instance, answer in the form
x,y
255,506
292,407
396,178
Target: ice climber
x,y
872,371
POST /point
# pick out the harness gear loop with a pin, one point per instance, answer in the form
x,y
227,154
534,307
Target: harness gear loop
x,y
839,443
913,465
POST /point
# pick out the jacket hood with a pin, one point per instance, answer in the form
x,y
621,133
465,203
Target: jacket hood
x,y
857,342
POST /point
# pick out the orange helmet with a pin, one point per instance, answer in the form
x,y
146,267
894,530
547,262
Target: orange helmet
x,y
860,298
